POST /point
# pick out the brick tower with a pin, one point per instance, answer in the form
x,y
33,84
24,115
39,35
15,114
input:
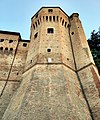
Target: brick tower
x,y
60,80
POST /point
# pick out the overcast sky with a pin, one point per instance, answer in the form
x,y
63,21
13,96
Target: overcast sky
x,y
15,15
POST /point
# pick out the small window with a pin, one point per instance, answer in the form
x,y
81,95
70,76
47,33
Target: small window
x,y
38,22
40,19
43,18
50,18
48,50
33,26
68,25
63,22
54,18
11,49
36,16
50,30
10,41
35,36
24,44
72,33
46,18
1,48
60,19
1,40
31,61
6,48
57,18
17,73
50,10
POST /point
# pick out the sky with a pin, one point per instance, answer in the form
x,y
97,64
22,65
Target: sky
x,y
15,15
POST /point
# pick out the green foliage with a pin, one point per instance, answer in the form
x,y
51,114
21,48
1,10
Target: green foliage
x,y
94,44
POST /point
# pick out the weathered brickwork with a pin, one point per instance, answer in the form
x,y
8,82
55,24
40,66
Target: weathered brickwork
x,y
55,70
46,91
91,85
13,52
7,95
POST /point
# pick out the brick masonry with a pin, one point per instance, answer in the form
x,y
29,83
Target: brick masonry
x,y
56,72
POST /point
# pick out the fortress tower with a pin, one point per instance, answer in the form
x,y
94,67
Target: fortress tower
x,y
59,79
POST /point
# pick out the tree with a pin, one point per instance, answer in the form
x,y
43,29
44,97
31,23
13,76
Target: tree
x,y
94,44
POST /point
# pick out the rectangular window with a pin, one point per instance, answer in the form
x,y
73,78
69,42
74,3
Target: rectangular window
x,y
50,30
35,36
24,44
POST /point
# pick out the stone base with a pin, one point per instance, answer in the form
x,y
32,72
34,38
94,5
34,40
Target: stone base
x,y
90,80
48,92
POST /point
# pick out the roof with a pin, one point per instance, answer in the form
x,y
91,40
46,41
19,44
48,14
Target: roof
x,y
10,33
24,40
49,7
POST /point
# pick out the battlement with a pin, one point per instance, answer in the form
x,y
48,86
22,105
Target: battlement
x,y
9,40
12,55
